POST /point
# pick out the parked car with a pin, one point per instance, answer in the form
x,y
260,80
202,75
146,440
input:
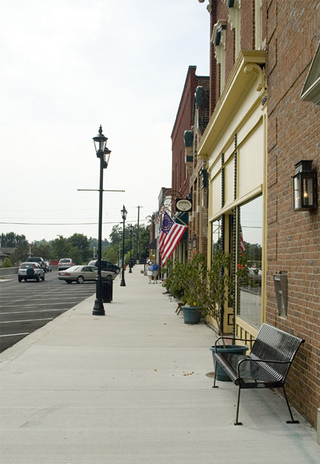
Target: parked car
x,y
78,274
39,260
64,263
48,266
30,271
107,268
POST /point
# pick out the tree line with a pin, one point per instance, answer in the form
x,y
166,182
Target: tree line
x,y
79,247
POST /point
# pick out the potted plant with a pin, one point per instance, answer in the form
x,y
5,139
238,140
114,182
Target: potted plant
x,y
185,281
174,281
203,292
194,281
219,289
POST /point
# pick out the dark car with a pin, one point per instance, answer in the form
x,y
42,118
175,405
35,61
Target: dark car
x,y
107,268
38,259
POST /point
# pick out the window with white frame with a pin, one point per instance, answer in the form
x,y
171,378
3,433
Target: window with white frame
x,y
235,23
219,41
250,252
258,24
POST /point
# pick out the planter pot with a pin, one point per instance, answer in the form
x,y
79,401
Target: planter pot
x,y
236,349
191,314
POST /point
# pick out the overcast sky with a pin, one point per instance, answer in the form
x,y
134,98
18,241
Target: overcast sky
x,y
68,66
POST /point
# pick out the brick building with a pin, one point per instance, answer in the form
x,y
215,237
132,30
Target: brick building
x,y
198,174
180,171
293,240
265,118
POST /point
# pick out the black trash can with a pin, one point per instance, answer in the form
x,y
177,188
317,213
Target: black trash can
x,y
107,289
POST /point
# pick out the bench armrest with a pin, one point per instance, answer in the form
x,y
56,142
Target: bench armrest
x,y
222,338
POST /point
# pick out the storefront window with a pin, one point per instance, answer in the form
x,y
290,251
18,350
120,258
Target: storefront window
x,y
216,236
250,251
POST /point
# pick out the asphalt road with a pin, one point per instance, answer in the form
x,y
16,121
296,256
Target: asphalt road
x,y
27,306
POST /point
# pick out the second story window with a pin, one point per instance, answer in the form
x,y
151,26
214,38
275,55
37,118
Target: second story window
x,y
235,23
258,24
219,41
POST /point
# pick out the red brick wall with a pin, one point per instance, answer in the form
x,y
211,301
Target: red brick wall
x,y
220,11
293,243
247,25
184,121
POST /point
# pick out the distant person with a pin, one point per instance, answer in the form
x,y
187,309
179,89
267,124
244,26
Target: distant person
x,y
155,271
149,271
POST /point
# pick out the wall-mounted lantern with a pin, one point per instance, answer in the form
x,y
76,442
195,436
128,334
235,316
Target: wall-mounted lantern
x,y
304,186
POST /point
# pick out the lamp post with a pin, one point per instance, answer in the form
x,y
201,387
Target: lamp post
x,y
124,217
130,262
102,152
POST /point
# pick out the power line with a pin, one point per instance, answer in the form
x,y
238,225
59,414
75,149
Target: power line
x,y
58,223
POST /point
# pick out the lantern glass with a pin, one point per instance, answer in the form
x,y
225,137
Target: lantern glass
x,y
100,142
124,213
304,189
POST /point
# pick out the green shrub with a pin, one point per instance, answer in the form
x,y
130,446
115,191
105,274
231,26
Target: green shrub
x,y
6,262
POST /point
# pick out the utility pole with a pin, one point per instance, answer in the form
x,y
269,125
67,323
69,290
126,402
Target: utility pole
x,y
138,233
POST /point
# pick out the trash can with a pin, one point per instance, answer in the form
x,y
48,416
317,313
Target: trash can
x,y
107,289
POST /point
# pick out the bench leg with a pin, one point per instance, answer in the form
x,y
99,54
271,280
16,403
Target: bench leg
x,y
238,404
292,421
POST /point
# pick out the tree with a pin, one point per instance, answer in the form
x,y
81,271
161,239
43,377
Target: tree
x,y
80,248
61,248
42,248
115,248
12,240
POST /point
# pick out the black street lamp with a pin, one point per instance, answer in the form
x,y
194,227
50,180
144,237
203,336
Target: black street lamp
x,y
102,152
124,217
130,261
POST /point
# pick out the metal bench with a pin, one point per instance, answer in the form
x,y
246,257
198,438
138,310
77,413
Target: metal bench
x,y
266,366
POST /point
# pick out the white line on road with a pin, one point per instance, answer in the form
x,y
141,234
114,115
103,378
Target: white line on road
x,y
15,335
27,320
34,311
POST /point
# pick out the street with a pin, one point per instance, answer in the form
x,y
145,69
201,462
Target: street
x,y
27,306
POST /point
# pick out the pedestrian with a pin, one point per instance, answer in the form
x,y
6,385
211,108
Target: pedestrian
x,y
149,271
155,270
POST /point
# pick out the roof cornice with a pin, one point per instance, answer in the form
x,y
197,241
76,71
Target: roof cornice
x,y
247,69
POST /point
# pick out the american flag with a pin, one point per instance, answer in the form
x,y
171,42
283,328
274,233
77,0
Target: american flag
x,y
170,235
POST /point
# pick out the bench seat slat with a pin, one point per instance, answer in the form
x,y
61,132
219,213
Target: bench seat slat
x,y
245,370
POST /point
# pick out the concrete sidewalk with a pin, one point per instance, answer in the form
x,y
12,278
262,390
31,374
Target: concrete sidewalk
x,y
134,387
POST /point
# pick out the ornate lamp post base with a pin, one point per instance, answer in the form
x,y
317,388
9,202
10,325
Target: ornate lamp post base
x,y
98,309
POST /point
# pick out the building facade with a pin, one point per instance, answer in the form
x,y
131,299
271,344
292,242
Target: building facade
x,y
293,239
234,145
181,162
264,130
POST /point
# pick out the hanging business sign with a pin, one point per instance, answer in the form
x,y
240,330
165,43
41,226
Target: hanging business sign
x,y
183,205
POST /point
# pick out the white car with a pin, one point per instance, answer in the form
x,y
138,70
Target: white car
x,y
64,263
78,274
30,271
